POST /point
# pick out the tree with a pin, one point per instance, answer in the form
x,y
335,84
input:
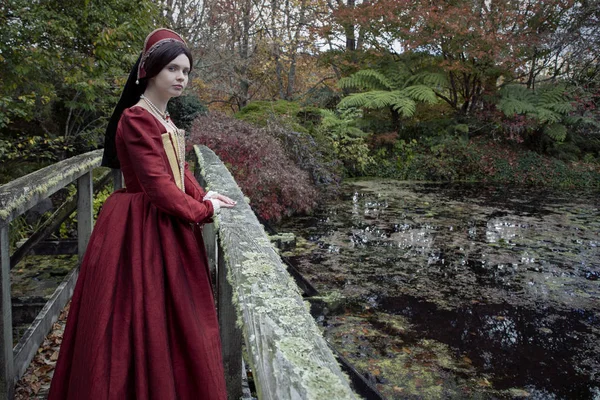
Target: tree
x,y
545,111
394,87
62,64
248,49
476,42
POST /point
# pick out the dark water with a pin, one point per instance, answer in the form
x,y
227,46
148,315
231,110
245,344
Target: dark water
x,y
460,291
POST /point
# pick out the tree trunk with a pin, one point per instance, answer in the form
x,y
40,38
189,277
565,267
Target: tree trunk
x,y
244,85
277,49
349,30
395,120
294,51
531,79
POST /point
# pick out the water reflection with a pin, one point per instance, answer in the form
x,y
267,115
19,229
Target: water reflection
x,y
507,279
519,346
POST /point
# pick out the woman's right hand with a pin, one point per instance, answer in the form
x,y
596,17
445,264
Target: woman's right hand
x,y
224,204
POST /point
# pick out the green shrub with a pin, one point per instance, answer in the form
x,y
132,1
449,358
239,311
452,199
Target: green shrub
x,y
185,109
260,112
309,154
339,130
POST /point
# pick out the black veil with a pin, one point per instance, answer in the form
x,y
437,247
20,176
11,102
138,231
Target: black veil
x,y
131,94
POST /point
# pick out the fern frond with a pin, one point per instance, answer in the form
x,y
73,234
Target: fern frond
x,y
563,107
558,132
378,99
405,107
518,92
327,116
397,74
420,93
431,79
356,132
373,99
511,106
366,79
578,120
549,94
545,115
353,100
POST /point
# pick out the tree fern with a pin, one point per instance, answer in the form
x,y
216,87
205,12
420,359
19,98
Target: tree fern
x,y
393,87
548,105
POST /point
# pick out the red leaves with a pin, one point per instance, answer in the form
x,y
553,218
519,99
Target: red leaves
x,y
274,184
477,42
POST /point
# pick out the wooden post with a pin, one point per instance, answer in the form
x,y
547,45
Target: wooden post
x,y
85,209
210,244
7,385
231,335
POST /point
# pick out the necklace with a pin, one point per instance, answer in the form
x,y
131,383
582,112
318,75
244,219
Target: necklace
x,y
179,137
164,115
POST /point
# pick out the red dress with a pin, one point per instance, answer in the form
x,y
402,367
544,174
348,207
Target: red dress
x,y
142,323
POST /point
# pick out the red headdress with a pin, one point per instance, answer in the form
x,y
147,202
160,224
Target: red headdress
x,y
155,39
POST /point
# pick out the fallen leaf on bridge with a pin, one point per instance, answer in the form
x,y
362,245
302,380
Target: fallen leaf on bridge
x,y
35,383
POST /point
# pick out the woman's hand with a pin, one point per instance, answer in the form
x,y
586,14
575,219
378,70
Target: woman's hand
x,y
219,201
225,201
224,204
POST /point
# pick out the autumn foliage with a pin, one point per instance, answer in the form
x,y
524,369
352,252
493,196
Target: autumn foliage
x,y
275,185
474,42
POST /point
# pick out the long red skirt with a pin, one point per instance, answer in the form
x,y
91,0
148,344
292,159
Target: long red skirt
x,y
142,323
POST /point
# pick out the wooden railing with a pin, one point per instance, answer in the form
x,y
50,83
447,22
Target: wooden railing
x,y
259,302
17,197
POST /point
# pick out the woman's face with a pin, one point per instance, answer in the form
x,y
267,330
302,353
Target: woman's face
x,y
173,78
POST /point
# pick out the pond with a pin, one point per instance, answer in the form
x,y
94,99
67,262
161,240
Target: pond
x,y
458,290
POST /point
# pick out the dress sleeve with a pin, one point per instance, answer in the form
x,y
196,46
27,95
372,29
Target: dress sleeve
x,y
192,187
143,142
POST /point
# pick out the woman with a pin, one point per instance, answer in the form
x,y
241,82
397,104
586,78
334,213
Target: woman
x,y
142,323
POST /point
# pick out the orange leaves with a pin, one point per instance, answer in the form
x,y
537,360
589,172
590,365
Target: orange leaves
x,y
484,383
